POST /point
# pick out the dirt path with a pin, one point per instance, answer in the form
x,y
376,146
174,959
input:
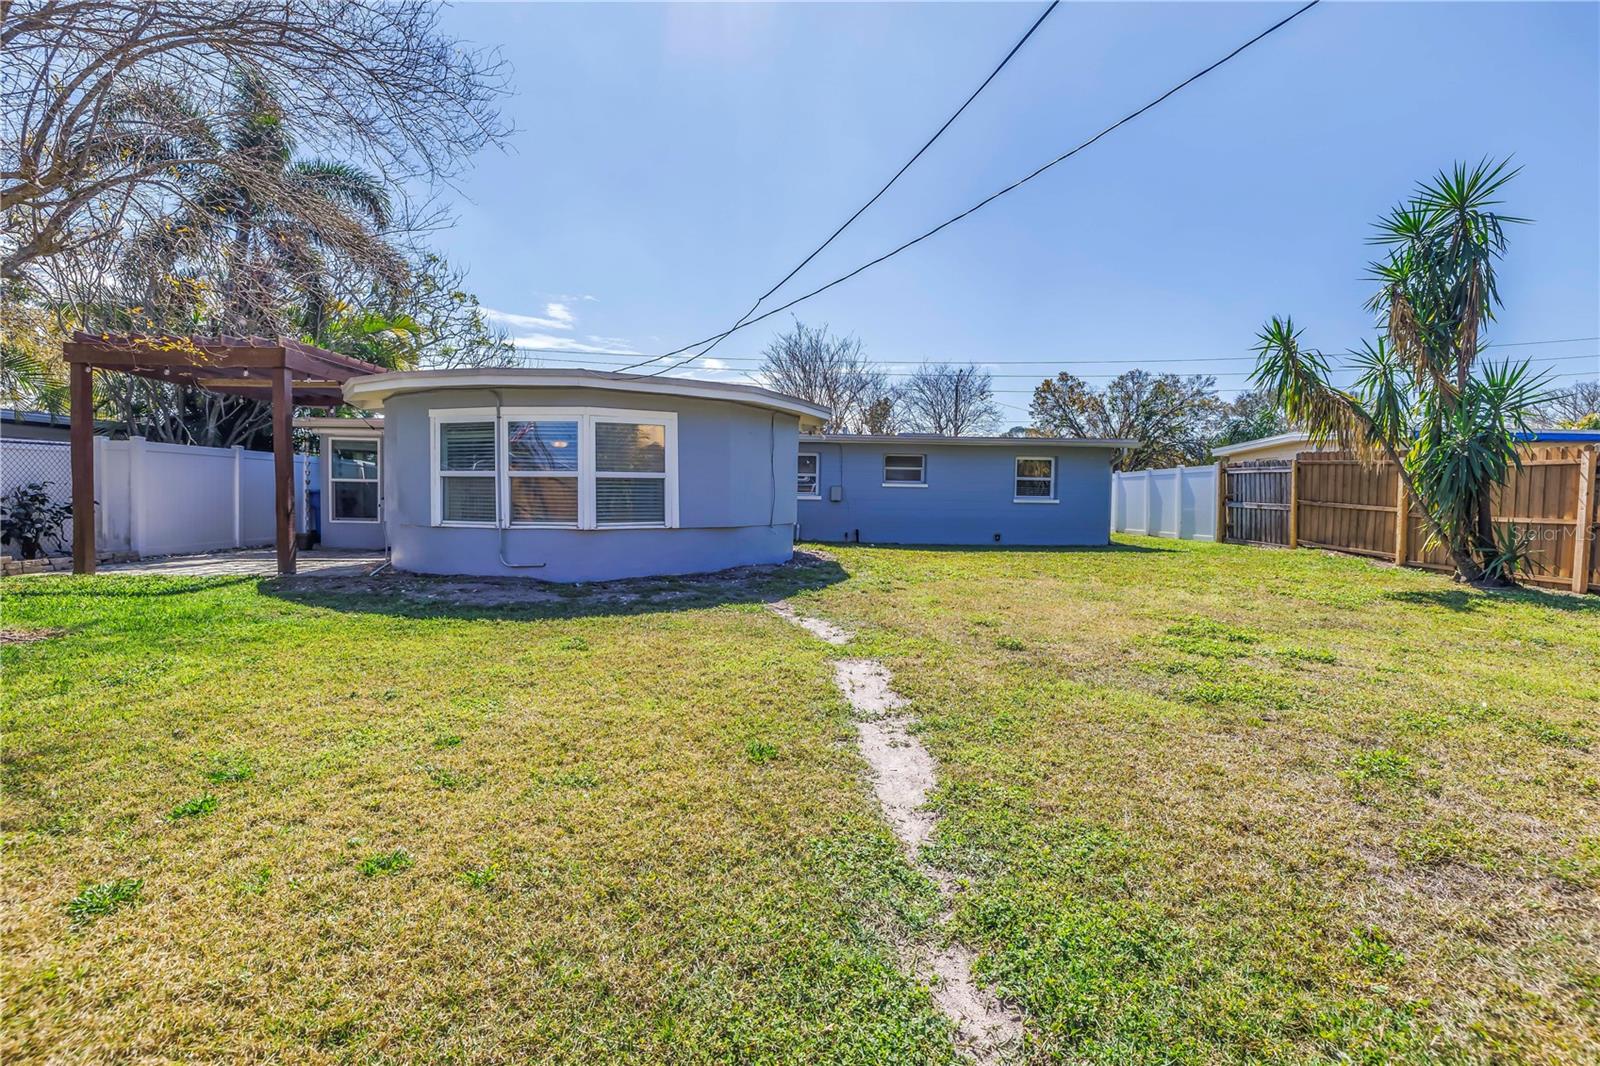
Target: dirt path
x,y
903,774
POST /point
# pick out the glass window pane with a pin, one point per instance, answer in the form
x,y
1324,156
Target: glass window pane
x,y
467,499
1033,487
808,464
902,468
807,485
466,446
1033,468
629,447
355,500
629,500
355,459
542,445
544,499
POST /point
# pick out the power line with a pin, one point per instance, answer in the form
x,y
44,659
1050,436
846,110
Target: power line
x,y
862,209
1153,362
986,201
1031,362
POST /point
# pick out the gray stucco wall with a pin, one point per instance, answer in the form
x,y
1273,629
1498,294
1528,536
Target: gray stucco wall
x,y
968,499
736,502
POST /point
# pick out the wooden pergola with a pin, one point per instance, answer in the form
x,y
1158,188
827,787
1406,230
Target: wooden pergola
x,y
280,370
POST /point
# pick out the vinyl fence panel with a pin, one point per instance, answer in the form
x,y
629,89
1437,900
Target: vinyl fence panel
x,y
163,499
1179,501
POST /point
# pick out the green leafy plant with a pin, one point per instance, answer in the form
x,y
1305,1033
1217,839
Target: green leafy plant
x,y
760,751
30,519
390,862
96,901
1421,398
193,808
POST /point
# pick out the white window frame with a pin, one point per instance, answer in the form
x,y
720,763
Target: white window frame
x,y
1016,477
922,456
816,492
503,446
437,419
334,442
586,417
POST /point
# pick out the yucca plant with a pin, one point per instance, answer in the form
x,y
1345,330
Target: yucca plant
x,y
1422,399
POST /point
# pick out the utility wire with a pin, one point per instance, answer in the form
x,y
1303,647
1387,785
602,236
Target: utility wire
x,y
862,209
1052,362
1155,363
986,201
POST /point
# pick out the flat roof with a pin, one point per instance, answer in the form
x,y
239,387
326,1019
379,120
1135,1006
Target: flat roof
x,y
910,439
372,390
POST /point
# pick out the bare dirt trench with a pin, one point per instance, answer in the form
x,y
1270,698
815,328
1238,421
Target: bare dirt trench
x,y
903,774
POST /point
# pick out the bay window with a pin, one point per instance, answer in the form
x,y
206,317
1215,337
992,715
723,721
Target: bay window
x,y
579,468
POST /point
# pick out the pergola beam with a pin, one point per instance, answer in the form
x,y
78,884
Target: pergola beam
x,y
240,366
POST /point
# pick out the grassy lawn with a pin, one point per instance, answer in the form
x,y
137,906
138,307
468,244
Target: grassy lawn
x,y
1224,803
1210,804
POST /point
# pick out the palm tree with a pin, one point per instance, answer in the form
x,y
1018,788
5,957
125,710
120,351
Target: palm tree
x,y
1422,399
260,240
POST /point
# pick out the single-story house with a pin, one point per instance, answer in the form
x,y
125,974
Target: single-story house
x,y
1280,446
561,474
914,488
585,475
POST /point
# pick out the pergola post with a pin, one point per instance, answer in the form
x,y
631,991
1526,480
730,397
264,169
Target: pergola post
x,y
81,412
283,466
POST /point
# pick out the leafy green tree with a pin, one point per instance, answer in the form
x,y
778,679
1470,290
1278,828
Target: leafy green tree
x,y
1170,416
1250,415
1423,399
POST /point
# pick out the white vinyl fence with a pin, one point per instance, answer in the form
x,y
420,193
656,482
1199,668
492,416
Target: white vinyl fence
x,y
1180,501
163,499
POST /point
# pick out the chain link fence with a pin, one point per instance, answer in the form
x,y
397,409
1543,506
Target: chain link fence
x,y
37,462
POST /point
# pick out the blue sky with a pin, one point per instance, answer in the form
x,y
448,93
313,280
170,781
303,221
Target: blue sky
x,y
673,161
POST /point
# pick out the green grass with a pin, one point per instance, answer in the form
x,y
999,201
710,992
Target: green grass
x,y
438,832
1220,804
1208,804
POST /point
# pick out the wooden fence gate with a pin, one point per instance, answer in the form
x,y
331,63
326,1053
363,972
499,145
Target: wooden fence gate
x,y
1253,498
1331,500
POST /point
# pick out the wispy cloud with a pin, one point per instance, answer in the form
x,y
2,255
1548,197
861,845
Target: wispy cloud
x,y
543,341
556,316
552,330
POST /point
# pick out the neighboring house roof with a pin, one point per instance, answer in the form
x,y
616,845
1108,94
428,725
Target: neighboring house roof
x,y
1295,437
972,442
1543,436
372,390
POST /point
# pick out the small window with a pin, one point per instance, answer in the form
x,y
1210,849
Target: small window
x,y
806,484
353,480
904,470
467,472
1036,480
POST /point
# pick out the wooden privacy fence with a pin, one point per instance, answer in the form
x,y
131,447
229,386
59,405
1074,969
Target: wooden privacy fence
x,y
1331,500
1253,500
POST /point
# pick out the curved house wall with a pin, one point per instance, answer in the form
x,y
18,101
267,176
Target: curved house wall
x,y
735,485
968,498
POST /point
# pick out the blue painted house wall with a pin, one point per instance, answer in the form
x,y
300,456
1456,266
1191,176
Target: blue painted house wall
x,y
735,481
969,498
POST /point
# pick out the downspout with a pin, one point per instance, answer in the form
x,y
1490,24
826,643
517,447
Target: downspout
x,y
503,523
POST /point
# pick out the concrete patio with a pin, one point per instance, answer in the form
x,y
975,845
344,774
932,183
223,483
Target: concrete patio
x,y
260,562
